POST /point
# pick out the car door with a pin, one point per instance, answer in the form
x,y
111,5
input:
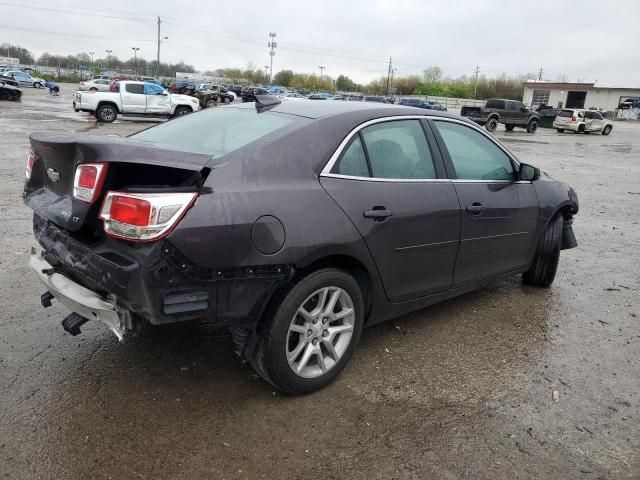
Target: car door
x,y
393,187
592,121
133,98
510,114
157,101
499,213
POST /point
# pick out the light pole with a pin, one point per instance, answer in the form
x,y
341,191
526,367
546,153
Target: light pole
x,y
266,74
135,58
272,45
109,59
321,70
92,53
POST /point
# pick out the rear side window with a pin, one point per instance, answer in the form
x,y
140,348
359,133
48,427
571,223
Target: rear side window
x,y
473,155
134,88
495,104
215,131
565,113
353,161
398,150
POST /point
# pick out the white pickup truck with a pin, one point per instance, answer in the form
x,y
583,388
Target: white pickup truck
x,y
134,99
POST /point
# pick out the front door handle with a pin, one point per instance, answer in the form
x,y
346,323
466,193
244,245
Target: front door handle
x,y
475,208
379,214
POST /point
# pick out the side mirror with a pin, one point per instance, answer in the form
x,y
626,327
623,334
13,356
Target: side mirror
x,y
164,92
528,173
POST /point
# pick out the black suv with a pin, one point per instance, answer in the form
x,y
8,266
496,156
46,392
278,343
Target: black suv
x,y
511,113
248,94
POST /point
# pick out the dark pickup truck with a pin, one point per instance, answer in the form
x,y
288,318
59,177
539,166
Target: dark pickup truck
x,y
511,113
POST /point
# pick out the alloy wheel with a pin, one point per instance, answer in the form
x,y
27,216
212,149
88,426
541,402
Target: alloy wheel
x,y
320,332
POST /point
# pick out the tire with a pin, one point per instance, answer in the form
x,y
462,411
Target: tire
x,y
226,99
93,89
106,113
545,263
607,130
509,127
560,130
292,341
181,111
532,126
581,129
5,95
37,85
491,125
210,103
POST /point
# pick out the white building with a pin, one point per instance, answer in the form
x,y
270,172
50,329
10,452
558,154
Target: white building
x,y
9,61
575,95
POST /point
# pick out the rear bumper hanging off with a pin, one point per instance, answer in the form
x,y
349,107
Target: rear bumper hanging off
x,y
79,299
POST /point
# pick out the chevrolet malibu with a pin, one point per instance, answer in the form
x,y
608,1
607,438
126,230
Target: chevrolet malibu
x,y
298,223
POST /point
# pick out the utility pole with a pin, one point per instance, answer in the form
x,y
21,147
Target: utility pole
x,y
160,40
266,73
475,88
389,74
109,59
321,70
540,74
91,53
272,45
135,58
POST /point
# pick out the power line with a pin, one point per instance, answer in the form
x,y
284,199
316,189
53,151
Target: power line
x,y
8,27
70,12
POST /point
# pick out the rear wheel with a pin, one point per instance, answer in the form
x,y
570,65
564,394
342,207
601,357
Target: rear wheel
x,y
312,334
225,100
106,113
210,103
532,126
581,129
607,130
93,89
509,127
560,130
545,263
491,125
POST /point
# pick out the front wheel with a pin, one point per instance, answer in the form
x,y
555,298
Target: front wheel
x,y
210,103
312,334
491,125
532,126
226,99
37,85
545,263
560,130
180,111
607,130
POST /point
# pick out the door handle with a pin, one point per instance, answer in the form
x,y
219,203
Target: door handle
x,y
379,214
475,208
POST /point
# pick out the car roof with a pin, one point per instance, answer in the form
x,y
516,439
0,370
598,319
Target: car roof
x,y
313,110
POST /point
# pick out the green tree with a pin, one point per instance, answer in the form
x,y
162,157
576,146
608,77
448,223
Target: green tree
x,y
345,84
432,74
283,78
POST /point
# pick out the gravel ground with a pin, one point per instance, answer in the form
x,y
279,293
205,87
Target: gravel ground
x,y
464,389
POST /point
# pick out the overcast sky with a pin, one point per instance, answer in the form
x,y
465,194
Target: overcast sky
x,y
586,40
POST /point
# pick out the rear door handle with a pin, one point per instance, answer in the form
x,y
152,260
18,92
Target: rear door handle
x,y
475,208
379,214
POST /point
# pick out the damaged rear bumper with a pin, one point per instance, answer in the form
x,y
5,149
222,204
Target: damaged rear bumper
x,y
79,299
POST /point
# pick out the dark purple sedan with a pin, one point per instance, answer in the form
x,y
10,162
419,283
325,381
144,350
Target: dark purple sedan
x,y
299,223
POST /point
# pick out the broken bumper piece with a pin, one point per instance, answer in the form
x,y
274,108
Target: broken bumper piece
x,y
79,299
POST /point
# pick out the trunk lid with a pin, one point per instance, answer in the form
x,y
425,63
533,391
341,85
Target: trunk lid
x,y
132,165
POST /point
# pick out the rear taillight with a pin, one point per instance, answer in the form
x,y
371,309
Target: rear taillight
x,y
143,217
573,118
88,181
31,159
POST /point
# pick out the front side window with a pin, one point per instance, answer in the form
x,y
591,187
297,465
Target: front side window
x,y
473,155
398,150
153,89
499,104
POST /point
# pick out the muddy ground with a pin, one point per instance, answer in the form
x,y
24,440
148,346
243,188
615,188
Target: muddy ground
x,y
460,390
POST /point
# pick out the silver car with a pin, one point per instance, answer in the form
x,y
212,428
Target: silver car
x,y
95,85
24,79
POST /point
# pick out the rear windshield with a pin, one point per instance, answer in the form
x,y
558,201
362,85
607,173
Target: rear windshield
x,y
215,131
565,113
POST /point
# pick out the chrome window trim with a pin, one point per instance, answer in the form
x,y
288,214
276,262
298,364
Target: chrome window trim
x,y
326,171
